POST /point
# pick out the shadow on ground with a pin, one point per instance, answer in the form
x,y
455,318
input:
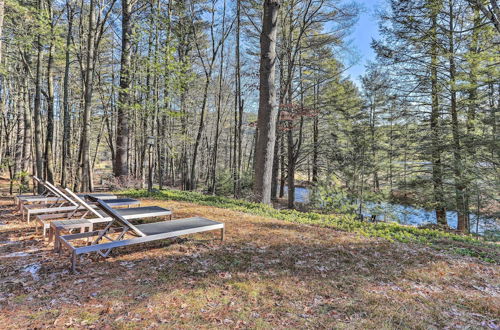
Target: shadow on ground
x,y
267,273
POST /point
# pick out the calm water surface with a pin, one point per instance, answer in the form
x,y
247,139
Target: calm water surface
x,y
409,215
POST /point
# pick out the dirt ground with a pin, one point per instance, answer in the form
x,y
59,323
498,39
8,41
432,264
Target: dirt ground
x,y
266,274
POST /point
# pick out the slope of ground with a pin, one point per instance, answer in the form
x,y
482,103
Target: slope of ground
x,y
268,273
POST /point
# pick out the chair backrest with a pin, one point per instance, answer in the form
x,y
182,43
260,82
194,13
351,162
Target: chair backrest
x,y
115,215
50,189
40,182
83,203
59,193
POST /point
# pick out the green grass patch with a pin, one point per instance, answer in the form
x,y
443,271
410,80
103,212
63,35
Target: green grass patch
x,y
20,299
473,253
348,223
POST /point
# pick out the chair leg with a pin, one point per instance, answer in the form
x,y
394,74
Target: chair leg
x,y
57,241
51,234
73,262
222,234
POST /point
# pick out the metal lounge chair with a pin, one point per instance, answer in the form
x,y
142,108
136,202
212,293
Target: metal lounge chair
x,y
51,197
83,209
100,217
141,233
59,199
45,194
64,204
64,199
61,208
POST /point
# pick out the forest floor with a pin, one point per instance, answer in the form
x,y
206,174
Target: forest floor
x,y
267,273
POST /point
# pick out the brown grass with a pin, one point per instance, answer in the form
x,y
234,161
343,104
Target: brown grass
x,y
266,274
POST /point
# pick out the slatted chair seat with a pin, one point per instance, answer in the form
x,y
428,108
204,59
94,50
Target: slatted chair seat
x,y
175,225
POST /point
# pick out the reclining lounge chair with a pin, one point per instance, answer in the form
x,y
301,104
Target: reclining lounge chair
x,y
69,205
50,197
46,193
47,196
141,233
81,223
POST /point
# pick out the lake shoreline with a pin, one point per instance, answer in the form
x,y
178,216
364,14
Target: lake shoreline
x,y
406,214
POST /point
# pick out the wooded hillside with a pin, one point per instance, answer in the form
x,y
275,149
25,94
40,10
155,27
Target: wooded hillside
x,y
166,93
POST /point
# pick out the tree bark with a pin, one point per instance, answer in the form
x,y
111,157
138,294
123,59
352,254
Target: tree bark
x,y
122,134
266,122
49,138
66,142
437,175
219,109
37,110
460,199
87,97
27,130
238,110
2,14
315,153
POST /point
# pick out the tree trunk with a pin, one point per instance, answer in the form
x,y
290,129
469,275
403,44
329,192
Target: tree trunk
x,y
219,107
201,127
281,193
470,139
290,168
315,150
66,142
457,164
49,139
37,110
276,165
18,147
437,175
238,110
266,122
2,14
122,134
88,90
376,184
27,130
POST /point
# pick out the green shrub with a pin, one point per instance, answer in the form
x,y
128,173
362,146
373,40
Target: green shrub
x,y
330,197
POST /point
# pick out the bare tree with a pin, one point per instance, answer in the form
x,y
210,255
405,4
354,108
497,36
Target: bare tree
x,y
122,139
266,122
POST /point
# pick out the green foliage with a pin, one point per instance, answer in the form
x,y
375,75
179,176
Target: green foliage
x,y
389,231
225,184
473,253
330,197
21,181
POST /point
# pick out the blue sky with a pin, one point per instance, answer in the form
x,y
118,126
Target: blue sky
x,y
361,37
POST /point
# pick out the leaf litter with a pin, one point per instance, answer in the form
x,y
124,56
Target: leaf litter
x,y
290,277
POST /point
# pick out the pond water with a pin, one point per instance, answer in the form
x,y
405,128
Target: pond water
x,y
409,215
